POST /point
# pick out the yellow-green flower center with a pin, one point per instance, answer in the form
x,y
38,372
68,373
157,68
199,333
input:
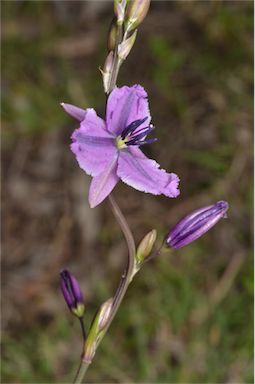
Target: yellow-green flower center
x,y
121,143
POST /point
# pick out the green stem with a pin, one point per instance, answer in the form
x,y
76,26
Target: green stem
x,y
81,372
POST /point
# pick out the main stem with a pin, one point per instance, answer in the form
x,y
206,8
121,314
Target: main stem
x,y
81,372
125,279
127,275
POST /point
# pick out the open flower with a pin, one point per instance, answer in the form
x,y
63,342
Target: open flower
x,y
109,150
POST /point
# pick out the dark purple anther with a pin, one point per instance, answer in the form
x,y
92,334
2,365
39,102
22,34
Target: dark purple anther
x,y
132,127
133,136
72,293
196,224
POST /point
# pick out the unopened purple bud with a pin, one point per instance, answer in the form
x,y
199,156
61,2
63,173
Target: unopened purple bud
x,y
72,293
194,225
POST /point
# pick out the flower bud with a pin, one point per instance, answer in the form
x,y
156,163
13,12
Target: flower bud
x,y
146,245
136,12
125,47
196,224
108,63
112,36
107,71
119,9
104,313
72,293
97,329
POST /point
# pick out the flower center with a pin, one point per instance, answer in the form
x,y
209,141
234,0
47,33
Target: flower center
x,y
120,143
131,135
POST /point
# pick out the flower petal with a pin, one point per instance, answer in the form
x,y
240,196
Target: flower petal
x,y
141,173
102,185
92,145
74,111
125,105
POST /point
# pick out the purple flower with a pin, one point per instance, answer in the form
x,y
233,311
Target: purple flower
x,y
196,224
109,150
72,293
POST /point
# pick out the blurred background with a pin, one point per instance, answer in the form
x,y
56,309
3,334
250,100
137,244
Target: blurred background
x,y
188,316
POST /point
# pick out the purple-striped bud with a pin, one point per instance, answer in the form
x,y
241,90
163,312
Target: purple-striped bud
x,y
194,225
72,293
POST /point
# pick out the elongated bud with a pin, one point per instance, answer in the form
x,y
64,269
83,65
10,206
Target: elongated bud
x,y
97,328
125,47
119,9
108,63
104,313
72,293
136,12
146,245
107,71
112,35
196,224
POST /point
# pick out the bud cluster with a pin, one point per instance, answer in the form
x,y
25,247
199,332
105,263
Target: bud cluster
x,y
122,36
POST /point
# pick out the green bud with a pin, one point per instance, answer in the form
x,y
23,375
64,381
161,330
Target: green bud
x,y
97,329
136,12
125,47
104,313
146,245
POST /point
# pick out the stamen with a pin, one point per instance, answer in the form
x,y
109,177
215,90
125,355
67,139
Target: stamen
x,y
140,130
138,137
133,136
148,141
132,127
